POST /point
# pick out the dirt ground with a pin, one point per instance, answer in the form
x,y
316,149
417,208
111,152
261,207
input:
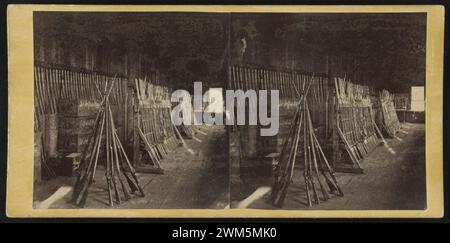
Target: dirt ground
x,y
198,180
394,178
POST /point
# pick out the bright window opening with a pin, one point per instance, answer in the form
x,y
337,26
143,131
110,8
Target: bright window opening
x,y
215,101
418,98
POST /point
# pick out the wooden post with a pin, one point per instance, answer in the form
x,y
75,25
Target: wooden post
x,y
335,135
136,135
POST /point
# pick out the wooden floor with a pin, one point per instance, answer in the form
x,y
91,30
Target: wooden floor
x,y
198,180
394,178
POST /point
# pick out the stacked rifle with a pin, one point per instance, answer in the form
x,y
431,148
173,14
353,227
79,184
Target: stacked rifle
x,y
154,132
256,78
390,122
46,168
401,101
120,174
55,84
302,141
355,123
155,127
186,131
319,95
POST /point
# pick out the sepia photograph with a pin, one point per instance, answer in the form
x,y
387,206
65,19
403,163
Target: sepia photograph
x,y
351,111
104,136
225,111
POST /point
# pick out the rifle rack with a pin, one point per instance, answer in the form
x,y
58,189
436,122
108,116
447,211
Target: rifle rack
x,y
355,124
389,119
314,158
154,128
118,166
186,131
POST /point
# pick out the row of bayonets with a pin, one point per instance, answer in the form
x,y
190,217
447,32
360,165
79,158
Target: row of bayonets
x,y
287,82
53,85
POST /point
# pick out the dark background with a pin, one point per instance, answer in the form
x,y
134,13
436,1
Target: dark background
x,y
386,51
162,230
186,46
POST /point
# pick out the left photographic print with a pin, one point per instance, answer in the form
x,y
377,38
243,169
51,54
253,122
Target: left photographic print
x,y
103,133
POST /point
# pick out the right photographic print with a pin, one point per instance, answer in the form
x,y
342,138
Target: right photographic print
x,y
334,111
